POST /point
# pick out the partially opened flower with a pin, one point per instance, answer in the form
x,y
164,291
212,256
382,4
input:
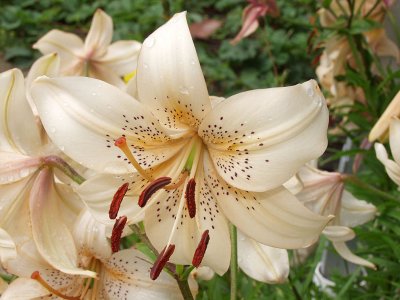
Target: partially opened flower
x,y
392,166
96,56
260,262
30,201
323,192
195,165
122,274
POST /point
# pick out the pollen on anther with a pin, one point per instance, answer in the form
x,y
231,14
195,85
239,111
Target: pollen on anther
x,y
117,230
190,197
117,199
201,249
153,187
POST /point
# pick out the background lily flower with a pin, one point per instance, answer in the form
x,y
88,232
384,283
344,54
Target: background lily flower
x,y
226,162
260,262
392,167
32,205
323,192
96,56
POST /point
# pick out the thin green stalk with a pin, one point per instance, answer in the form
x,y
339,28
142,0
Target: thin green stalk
x,y
187,272
294,289
185,289
62,165
234,262
356,181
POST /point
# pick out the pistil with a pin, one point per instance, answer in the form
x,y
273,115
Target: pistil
x,y
36,276
123,146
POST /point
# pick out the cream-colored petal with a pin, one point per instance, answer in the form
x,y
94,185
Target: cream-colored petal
x,y
25,289
260,262
83,117
15,166
7,247
259,139
98,71
3,285
127,274
274,218
391,167
52,237
15,110
90,237
345,252
169,76
99,35
355,212
67,45
122,57
394,139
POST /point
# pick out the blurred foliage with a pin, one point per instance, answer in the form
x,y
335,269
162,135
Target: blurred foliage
x,y
276,54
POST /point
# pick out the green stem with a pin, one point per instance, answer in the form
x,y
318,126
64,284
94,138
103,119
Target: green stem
x,y
143,238
234,262
62,165
187,272
185,289
294,289
356,181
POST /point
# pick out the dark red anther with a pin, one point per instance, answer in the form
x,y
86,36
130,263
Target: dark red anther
x,y
153,187
161,261
201,249
190,197
117,199
120,141
118,228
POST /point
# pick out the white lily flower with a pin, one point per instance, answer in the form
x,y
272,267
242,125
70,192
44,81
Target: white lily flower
x,y
323,192
260,262
392,167
32,205
230,161
96,56
122,274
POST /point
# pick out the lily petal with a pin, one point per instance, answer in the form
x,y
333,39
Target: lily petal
x,y
15,110
355,212
93,114
53,239
259,139
25,289
392,168
67,45
7,247
260,262
122,56
274,218
169,76
394,139
127,273
99,35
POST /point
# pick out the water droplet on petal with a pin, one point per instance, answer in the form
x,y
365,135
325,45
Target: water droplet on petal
x,y
184,90
94,94
310,91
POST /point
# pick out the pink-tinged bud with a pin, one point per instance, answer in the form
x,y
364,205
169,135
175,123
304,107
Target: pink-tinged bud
x,y
190,197
161,261
117,199
116,234
153,187
201,249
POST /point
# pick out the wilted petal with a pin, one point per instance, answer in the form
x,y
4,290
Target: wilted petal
x,y
274,218
169,77
122,56
355,212
53,239
260,262
67,45
391,167
84,117
205,28
250,23
99,36
259,139
25,289
127,273
15,110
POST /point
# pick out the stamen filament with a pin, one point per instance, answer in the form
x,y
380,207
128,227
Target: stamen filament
x,y
161,261
117,199
201,249
153,187
123,146
117,233
181,180
36,276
